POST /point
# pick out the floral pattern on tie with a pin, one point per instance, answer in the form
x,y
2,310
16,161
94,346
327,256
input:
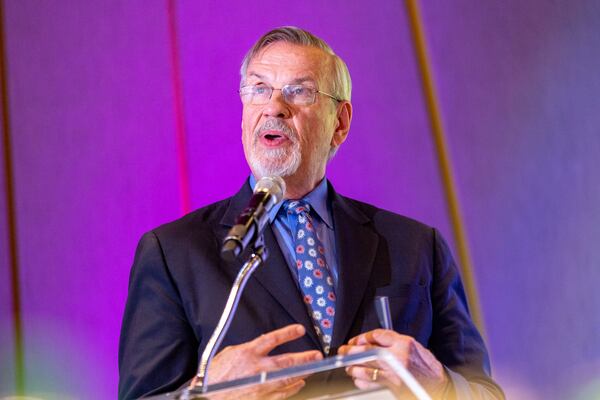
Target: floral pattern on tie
x,y
314,278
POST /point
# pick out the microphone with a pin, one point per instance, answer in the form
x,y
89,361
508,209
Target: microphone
x,y
250,224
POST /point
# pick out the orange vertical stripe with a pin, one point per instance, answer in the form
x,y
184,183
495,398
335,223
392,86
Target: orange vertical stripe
x,y
11,217
180,129
444,164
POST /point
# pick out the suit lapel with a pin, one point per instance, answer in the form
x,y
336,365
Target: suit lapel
x,y
274,276
356,245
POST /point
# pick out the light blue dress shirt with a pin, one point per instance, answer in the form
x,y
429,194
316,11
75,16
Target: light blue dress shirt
x,y
322,220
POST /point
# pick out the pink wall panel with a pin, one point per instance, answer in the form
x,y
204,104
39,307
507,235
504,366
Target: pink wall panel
x,y
92,117
519,87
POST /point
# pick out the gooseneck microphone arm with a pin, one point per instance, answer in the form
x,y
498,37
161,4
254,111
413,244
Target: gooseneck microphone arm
x,y
200,382
247,231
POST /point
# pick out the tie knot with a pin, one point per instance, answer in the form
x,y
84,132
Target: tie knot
x,y
297,207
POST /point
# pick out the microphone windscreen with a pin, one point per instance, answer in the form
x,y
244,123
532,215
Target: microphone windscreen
x,y
274,185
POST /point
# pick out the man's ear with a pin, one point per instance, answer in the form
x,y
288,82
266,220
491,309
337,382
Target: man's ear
x,y
344,118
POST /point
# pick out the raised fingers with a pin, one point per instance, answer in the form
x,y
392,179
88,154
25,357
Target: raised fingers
x,y
267,342
380,337
354,349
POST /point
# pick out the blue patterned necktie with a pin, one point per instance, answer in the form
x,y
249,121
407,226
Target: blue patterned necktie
x,y
314,278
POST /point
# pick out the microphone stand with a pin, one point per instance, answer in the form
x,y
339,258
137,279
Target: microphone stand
x,y
199,384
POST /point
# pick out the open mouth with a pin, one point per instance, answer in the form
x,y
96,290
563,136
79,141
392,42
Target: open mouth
x,y
273,138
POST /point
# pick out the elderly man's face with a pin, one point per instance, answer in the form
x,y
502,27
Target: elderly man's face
x,y
285,139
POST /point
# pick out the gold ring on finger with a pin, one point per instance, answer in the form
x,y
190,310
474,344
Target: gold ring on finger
x,y
375,374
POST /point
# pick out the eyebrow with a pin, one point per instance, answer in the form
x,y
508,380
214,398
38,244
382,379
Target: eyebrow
x,y
296,81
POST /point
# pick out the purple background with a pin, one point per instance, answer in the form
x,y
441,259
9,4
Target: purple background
x,y
93,126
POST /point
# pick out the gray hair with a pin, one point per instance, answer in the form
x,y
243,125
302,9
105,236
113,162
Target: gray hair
x,y
342,84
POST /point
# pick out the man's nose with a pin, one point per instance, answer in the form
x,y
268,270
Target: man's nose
x,y
276,107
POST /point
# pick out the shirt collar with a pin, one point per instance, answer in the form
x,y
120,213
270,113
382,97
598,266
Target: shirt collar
x,y
317,198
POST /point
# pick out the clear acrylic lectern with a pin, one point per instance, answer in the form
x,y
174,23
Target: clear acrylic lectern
x,y
325,379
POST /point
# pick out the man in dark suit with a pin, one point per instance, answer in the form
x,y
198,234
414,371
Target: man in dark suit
x,y
297,112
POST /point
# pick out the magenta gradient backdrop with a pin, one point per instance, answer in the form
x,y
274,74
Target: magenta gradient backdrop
x,y
95,163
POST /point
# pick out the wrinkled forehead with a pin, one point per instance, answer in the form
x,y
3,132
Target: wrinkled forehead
x,y
282,61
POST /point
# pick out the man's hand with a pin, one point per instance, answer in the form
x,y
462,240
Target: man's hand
x,y
417,359
252,357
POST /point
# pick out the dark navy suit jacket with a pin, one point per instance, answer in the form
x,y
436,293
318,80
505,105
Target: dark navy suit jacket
x,y
179,285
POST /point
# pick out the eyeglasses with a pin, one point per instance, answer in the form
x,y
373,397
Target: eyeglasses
x,y
292,94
